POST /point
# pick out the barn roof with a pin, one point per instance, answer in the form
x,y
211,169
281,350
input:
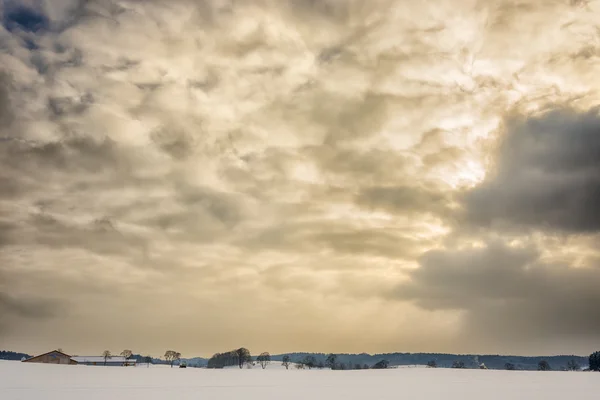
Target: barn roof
x,y
50,352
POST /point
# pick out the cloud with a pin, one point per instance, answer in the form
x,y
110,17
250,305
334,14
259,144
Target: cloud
x,y
6,115
508,293
218,159
26,307
406,199
17,307
547,174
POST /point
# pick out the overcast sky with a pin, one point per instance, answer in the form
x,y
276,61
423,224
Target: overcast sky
x,y
300,175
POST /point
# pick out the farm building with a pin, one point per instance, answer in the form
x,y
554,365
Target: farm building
x,y
52,357
58,357
99,360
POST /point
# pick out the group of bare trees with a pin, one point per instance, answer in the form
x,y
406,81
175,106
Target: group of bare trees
x,y
239,357
170,356
543,365
332,362
107,355
264,359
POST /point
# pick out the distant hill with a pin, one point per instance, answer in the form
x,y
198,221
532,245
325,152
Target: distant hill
x,y
11,355
195,362
141,359
445,360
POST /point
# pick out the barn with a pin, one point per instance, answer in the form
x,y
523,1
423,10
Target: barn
x,y
52,357
58,357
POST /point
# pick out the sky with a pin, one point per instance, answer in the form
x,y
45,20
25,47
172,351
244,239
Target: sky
x,y
300,175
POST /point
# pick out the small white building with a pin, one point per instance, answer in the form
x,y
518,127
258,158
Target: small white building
x,y
114,361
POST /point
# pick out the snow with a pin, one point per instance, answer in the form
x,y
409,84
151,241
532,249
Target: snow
x,y
43,381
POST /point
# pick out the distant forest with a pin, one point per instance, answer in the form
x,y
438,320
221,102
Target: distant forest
x,y
11,355
445,360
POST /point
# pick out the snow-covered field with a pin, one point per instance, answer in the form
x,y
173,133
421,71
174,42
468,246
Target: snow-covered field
x,y
53,382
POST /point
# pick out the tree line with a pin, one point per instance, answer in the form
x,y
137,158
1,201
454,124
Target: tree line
x,y
11,355
241,357
543,365
170,356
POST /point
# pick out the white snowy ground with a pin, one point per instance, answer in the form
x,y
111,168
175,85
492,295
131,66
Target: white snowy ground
x,y
54,382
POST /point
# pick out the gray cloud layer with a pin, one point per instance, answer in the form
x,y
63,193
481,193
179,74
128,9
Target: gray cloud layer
x,y
250,162
509,293
547,174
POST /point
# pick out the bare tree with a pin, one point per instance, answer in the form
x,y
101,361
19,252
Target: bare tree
x,y
244,356
148,361
127,354
106,354
264,359
171,356
285,361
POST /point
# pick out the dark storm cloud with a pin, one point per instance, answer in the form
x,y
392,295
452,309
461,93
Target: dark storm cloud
x,y
507,291
547,174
